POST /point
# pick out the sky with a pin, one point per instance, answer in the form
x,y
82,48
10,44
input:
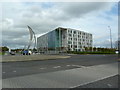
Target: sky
x,y
42,17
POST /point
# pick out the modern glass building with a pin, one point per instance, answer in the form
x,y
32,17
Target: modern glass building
x,y
64,39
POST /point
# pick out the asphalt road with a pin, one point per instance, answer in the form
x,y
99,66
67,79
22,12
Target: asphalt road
x,y
18,69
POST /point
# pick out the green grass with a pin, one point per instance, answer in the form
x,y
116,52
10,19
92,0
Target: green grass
x,y
73,52
1,53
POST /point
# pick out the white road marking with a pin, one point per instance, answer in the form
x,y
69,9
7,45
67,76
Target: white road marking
x,y
57,67
14,71
42,68
94,81
68,65
79,66
76,65
84,67
3,72
109,85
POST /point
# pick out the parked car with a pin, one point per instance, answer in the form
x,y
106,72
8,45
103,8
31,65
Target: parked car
x,y
116,51
27,52
12,53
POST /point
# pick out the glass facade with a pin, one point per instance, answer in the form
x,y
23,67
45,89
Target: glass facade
x,y
65,39
52,39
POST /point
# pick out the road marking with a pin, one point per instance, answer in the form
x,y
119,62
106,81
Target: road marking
x,y
3,72
94,81
68,65
79,66
76,65
84,67
57,67
42,68
109,85
14,71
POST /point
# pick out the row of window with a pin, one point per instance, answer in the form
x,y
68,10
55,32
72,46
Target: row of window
x,y
78,32
80,36
79,43
75,39
75,46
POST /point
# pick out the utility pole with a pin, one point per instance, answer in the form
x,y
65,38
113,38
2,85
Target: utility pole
x,y
110,36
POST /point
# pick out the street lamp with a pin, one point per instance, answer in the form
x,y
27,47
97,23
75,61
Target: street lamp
x,y
110,36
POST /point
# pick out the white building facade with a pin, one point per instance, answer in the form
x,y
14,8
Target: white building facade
x,y
65,39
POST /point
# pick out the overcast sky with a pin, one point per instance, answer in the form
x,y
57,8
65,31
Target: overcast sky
x,y
92,17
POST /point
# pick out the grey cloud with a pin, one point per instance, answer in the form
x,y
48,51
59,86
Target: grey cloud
x,y
76,9
13,39
21,42
14,34
43,20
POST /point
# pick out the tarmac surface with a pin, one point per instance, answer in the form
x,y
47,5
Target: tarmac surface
x,y
105,83
86,70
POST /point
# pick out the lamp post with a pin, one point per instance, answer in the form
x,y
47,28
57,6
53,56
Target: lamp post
x,y
110,36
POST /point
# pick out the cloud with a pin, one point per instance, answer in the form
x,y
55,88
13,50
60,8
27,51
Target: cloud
x,y
76,9
44,17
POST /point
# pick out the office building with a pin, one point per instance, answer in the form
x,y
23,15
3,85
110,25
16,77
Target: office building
x,y
64,39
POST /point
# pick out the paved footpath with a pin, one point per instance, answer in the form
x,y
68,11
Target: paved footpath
x,y
63,79
31,57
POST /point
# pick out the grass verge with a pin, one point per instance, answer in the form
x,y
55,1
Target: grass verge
x,y
1,53
73,52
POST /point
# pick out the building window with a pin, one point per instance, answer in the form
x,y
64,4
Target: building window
x,y
64,37
69,39
74,43
68,46
70,35
79,43
75,46
74,32
69,42
75,39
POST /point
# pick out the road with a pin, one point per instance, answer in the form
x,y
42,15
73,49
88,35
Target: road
x,y
18,70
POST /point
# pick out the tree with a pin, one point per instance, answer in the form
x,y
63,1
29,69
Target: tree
x,y
86,48
5,49
94,49
90,48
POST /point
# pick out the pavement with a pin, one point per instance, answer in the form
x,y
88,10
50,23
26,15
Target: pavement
x,y
74,72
